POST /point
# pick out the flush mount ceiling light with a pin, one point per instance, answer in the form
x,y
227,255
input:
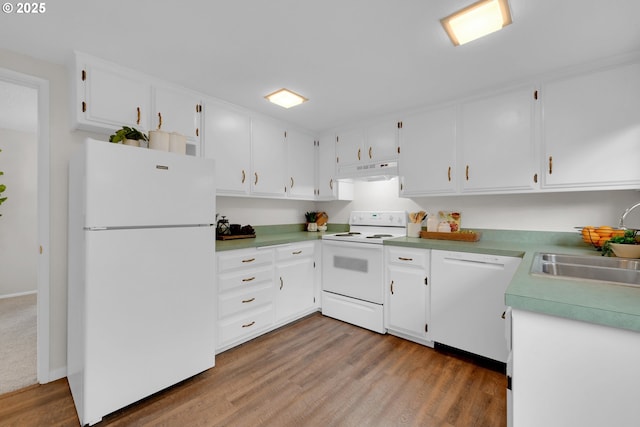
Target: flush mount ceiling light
x,y
286,98
477,20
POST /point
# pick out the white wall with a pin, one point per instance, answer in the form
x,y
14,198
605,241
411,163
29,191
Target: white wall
x,y
18,233
539,212
241,210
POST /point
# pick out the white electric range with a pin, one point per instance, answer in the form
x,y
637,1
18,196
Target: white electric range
x,y
352,268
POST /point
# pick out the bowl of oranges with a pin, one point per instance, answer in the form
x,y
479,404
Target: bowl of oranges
x,y
597,236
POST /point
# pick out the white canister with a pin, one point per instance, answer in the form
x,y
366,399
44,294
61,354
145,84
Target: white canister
x,y
432,223
159,140
444,227
177,143
413,229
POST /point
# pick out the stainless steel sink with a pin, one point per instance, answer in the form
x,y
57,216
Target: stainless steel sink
x,y
617,270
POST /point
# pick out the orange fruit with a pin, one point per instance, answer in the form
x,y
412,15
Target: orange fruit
x,y
617,233
603,241
604,231
587,229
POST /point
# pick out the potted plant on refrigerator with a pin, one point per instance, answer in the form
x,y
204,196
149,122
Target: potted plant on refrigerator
x,y
128,136
311,218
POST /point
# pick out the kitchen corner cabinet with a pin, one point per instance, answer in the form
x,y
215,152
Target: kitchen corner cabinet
x,y
591,129
467,301
295,281
427,159
407,302
498,142
227,139
301,162
107,96
364,145
268,158
246,305
178,110
329,188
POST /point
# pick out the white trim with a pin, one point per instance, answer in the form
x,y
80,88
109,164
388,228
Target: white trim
x,y
19,294
43,171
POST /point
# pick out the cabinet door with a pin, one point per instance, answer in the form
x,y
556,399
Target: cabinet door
x,y
227,139
591,129
349,147
326,170
114,97
427,162
498,143
301,160
467,301
177,111
382,141
294,288
407,292
268,157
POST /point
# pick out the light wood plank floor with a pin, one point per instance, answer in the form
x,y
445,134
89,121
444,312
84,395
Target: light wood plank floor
x,y
315,372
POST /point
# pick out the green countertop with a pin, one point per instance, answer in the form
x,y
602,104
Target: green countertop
x,y
590,301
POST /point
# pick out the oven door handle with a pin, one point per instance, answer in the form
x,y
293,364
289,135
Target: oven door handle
x,y
343,244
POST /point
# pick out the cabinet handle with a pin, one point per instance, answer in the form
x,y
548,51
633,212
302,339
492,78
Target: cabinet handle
x,y
504,315
197,132
331,183
249,279
138,120
255,182
358,154
159,120
467,172
249,260
281,283
291,182
550,165
249,324
535,178
244,176
296,252
370,156
392,287
449,174
245,301
405,259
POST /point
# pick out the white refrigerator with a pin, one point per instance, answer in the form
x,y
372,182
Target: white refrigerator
x,y
141,308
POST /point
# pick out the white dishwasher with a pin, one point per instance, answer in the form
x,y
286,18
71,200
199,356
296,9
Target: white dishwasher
x,y
467,301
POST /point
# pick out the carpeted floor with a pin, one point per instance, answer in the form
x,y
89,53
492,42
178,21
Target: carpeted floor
x,y
17,342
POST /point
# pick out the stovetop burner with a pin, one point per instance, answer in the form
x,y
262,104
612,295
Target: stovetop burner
x,y
349,233
378,236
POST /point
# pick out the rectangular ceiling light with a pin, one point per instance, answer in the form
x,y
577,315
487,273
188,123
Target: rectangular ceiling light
x,y
286,98
475,21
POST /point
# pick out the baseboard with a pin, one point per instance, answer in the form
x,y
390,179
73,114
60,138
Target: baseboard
x,y
56,374
19,294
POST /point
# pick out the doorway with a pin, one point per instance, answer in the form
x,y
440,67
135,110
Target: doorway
x,y
24,224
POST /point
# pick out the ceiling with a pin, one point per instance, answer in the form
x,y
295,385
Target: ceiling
x,y
354,59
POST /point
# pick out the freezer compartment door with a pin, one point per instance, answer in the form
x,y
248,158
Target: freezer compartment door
x,y
150,312
131,186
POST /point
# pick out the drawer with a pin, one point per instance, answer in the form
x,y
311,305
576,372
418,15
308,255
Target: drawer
x,y
231,303
288,252
245,279
408,256
249,323
231,260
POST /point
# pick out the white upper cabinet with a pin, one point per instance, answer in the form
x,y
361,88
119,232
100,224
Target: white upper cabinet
x,y
268,158
382,141
349,146
326,169
497,142
427,161
177,110
108,96
360,150
227,139
301,162
591,129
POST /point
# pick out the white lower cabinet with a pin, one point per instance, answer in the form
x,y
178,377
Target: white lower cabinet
x,y
262,289
467,301
407,294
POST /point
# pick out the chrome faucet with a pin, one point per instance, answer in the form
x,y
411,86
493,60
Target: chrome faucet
x,y
621,224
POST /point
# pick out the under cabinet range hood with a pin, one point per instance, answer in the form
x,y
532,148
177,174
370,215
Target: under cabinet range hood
x,y
376,171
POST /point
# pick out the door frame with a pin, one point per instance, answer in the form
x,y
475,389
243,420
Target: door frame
x,y
43,215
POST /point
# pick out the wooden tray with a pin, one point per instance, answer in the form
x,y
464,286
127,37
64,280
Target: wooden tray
x,y
473,236
235,236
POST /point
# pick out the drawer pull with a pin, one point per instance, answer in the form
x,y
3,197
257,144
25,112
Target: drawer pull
x,y
244,301
249,260
391,287
281,283
296,252
248,325
405,259
249,279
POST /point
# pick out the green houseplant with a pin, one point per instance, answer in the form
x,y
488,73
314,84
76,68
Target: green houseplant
x,y
127,133
2,188
311,218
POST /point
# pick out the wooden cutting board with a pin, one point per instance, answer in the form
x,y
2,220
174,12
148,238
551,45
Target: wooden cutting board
x,y
235,236
473,236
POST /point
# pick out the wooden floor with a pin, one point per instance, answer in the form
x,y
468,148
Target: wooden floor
x,y
315,372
